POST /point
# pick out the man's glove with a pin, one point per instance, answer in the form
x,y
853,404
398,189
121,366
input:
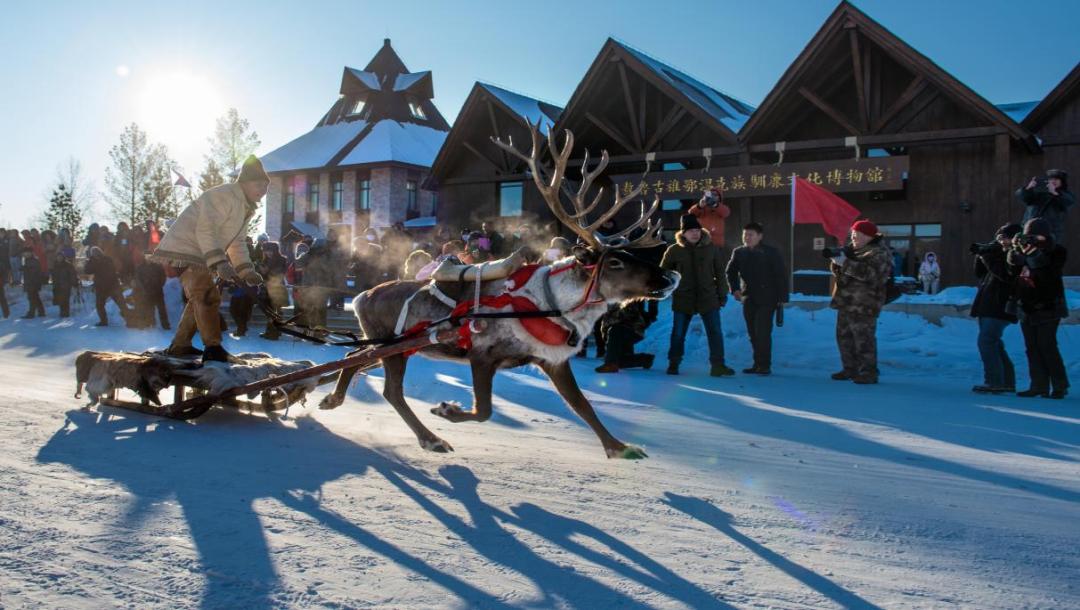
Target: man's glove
x,y
252,277
225,271
849,251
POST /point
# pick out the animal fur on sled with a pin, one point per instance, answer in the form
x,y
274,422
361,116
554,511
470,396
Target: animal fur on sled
x,y
147,374
103,372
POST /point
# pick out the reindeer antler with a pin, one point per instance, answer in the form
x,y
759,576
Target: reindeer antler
x,y
576,220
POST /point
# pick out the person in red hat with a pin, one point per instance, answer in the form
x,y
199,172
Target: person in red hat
x,y
711,212
862,270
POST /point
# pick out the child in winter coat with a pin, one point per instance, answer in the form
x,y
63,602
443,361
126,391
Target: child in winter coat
x,y
930,273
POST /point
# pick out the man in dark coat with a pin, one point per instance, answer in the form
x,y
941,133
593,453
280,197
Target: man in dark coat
x,y
33,279
272,265
702,291
862,272
1049,199
624,326
64,280
758,279
993,308
106,284
150,282
1037,262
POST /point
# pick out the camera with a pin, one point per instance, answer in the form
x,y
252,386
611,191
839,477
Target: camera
x,y
986,248
831,252
1022,241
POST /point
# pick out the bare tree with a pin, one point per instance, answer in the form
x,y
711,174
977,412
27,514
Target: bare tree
x,y
232,142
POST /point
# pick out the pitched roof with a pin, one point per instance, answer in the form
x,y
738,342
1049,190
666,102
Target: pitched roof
x,y
402,142
533,109
900,51
373,121
722,112
730,111
314,149
1062,93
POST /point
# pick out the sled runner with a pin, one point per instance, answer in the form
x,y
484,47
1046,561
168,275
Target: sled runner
x,y
197,388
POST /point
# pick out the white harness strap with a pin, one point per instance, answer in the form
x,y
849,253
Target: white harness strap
x,y
439,294
400,326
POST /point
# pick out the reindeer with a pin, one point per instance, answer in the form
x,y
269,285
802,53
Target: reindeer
x,y
601,271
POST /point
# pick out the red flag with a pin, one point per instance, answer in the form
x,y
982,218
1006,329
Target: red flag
x,y
811,204
180,180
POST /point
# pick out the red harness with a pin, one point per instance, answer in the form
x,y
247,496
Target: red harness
x,y
543,330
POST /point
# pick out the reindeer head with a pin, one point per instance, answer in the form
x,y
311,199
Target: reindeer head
x,y
618,274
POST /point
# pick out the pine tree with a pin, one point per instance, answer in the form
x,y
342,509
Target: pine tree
x,y
158,199
232,142
126,180
210,176
62,212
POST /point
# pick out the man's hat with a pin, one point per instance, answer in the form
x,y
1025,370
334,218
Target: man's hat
x,y
252,171
865,227
1060,174
688,221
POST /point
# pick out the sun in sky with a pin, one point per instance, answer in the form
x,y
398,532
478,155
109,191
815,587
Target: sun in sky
x,y
179,109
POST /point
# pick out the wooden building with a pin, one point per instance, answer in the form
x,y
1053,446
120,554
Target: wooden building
x,y
859,111
366,160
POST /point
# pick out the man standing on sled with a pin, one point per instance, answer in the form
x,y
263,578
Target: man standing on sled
x,y
207,240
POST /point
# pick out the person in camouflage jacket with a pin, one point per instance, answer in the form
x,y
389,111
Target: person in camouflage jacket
x,y
862,273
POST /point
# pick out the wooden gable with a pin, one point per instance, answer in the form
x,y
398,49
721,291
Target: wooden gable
x,y
623,105
855,78
1057,116
469,151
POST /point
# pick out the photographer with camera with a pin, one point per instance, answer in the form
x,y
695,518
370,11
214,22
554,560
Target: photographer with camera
x,y
1037,261
711,212
1048,198
862,269
995,309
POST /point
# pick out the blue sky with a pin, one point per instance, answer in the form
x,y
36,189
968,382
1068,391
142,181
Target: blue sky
x,y
76,72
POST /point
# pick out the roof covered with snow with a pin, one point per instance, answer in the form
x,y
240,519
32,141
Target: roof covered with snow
x,y
402,142
731,112
536,111
314,149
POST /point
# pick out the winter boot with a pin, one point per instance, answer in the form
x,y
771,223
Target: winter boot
x,y
865,379
721,370
842,375
647,361
183,350
608,367
216,353
757,370
1032,392
673,368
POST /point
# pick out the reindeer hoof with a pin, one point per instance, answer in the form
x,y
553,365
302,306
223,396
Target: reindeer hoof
x,y
627,452
449,409
436,445
331,401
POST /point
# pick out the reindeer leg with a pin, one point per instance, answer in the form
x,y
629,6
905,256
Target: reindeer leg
x,y
482,375
394,393
334,399
563,377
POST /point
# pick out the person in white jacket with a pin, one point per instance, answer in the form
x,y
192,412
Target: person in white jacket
x,y
930,273
207,239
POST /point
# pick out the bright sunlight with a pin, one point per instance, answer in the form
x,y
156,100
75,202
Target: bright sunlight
x,y
178,109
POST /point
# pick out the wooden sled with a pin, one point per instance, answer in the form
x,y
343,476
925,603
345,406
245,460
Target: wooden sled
x,y
190,401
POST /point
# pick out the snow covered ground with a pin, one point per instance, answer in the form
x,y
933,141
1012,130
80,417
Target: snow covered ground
x,y
791,491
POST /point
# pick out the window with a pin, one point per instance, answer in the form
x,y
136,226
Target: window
x,y
510,199
910,243
669,205
290,195
335,196
410,189
416,110
313,194
358,107
363,195
434,203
